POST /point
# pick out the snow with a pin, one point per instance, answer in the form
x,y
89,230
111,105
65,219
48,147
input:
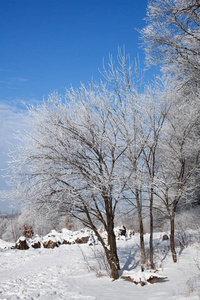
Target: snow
x,y
5,245
68,272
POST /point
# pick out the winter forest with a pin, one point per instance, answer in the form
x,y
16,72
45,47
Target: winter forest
x,y
121,151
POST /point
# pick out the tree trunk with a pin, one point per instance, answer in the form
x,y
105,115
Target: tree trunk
x,y
143,256
142,248
172,242
151,230
112,256
113,267
111,249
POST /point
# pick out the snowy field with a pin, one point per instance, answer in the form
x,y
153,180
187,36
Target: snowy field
x,y
64,273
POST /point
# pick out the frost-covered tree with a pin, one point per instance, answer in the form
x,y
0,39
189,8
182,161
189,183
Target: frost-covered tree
x,y
172,37
159,104
141,116
179,160
72,161
85,155
133,115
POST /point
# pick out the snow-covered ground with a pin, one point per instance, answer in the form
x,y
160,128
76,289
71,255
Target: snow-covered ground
x,y
63,273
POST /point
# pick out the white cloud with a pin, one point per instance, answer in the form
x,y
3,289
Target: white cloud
x,y
20,79
13,80
5,82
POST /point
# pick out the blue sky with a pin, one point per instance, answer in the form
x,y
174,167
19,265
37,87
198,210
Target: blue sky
x,y
48,45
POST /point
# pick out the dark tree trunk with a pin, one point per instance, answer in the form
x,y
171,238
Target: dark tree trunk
x,y
142,247
172,242
111,250
111,253
112,264
151,230
143,256
112,256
